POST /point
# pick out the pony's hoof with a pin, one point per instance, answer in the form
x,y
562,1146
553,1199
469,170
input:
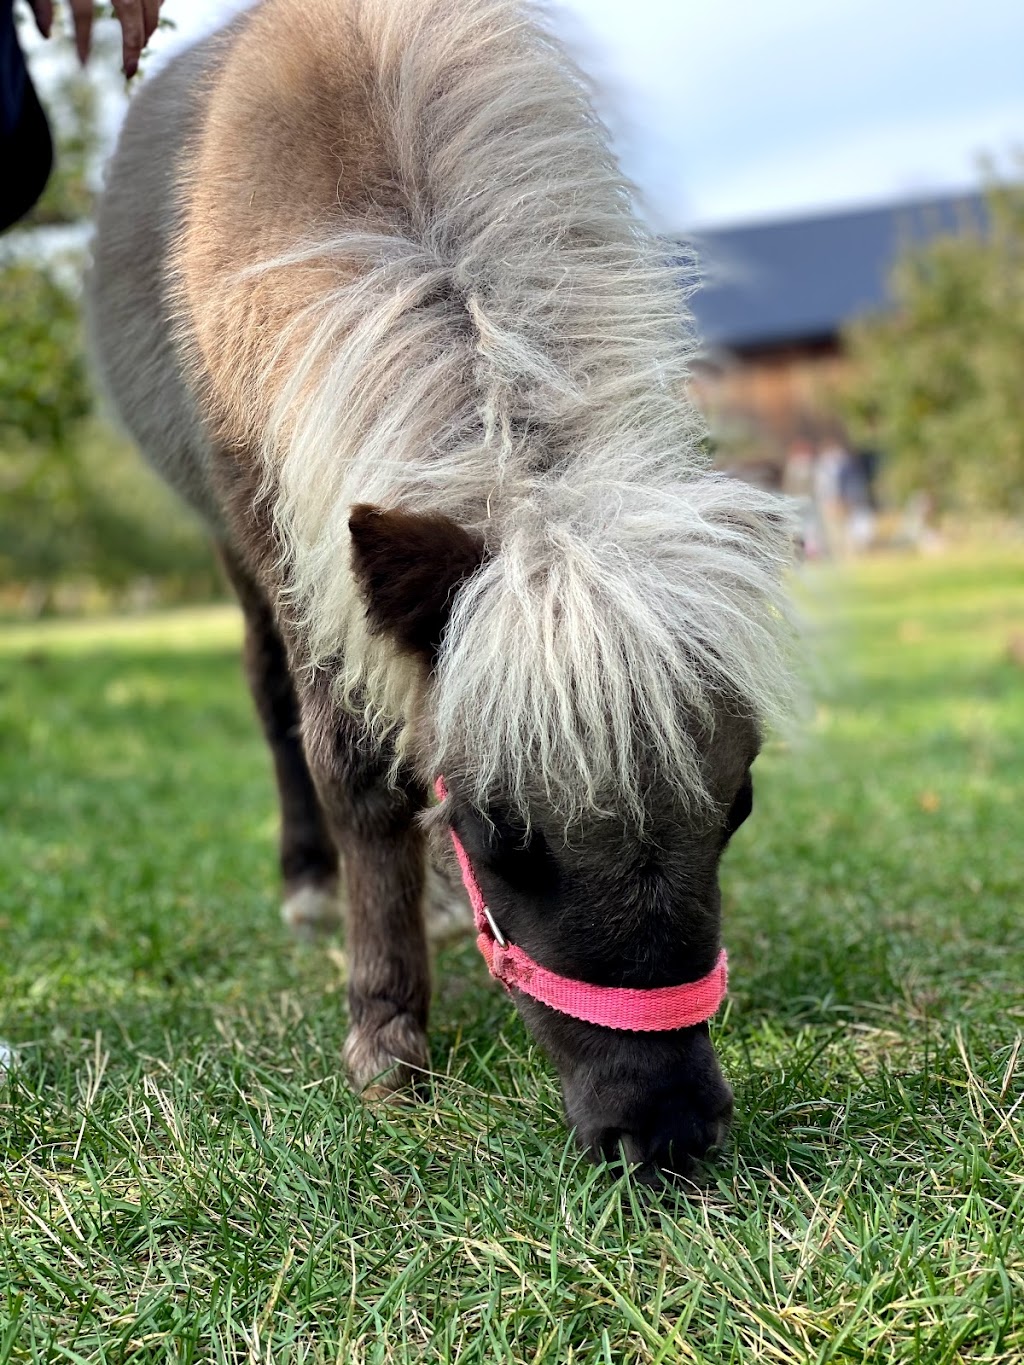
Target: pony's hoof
x,y
388,1061
312,912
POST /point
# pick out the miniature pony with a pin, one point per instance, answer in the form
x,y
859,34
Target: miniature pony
x,y
371,292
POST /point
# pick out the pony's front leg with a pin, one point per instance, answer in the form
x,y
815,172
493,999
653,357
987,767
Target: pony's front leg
x,y
374,823
388,970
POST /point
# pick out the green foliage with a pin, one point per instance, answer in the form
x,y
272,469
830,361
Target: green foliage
x,y
44,397
76,504
75,500
187,1178
937,381
72,107
91,514
44,389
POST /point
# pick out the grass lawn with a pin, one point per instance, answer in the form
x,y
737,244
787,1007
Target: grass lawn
x,y
186,1178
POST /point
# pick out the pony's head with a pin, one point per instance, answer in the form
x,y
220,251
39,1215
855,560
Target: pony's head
x,y
593,690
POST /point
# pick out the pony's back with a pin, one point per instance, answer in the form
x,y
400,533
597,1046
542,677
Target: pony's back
x,y
129,315
445,156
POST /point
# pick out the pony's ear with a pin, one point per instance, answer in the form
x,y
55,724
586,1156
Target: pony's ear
x,y
408,566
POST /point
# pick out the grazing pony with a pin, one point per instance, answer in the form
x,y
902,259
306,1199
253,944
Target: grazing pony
x,y
370,291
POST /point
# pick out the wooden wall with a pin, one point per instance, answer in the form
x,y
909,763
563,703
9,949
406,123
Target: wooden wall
x,y
759,403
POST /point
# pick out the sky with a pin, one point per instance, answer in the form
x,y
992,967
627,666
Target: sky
x,y
733,111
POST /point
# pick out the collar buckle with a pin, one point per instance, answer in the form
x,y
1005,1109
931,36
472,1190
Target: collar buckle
x,y
492,924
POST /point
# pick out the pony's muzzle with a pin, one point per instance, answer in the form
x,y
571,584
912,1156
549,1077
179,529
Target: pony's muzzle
x,y
659,1117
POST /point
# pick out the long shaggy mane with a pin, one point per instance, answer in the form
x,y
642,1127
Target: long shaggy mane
x,y
511,350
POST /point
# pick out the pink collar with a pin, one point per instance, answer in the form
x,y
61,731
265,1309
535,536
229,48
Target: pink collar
x,y
616,1007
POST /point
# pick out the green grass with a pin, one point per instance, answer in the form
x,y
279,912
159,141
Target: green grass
x,y
186,1177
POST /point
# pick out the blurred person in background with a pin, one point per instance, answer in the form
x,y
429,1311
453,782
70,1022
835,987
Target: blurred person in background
x,y
829,470
857,488
798,482
26,148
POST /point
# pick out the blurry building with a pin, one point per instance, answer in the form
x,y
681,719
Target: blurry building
x,y
770,313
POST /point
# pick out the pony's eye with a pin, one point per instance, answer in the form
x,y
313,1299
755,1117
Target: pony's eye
x,y
519,856
740,808
505,836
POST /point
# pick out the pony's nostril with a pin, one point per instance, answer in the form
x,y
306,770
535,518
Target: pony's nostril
x,y
634,1152
719,1125
605,1144
619,1147
668,1126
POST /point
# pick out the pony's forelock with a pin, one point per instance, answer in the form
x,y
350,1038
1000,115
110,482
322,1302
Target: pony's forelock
x,y
589,660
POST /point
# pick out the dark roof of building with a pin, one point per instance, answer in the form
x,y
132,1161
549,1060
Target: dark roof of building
x,y
801,279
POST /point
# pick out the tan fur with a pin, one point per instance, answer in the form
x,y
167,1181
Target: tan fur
x,y
264,171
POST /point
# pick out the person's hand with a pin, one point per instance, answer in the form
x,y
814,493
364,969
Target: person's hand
x,y
138,20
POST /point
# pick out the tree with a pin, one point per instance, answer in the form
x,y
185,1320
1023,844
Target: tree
x,y
75,501
44,396
938,381
44,391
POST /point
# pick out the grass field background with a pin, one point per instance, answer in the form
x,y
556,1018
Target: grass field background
x,y
186,1178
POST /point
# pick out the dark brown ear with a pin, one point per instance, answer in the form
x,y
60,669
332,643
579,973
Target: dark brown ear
x,y
408,567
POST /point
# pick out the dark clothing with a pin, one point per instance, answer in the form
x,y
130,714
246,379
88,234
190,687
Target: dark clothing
x,y
26,150
857,480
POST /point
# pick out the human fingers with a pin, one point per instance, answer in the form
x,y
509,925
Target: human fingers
x,y
81,14
133,32
150,18
43,11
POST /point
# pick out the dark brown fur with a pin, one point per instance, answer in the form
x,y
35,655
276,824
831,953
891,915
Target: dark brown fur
x,y
336,794
409,568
